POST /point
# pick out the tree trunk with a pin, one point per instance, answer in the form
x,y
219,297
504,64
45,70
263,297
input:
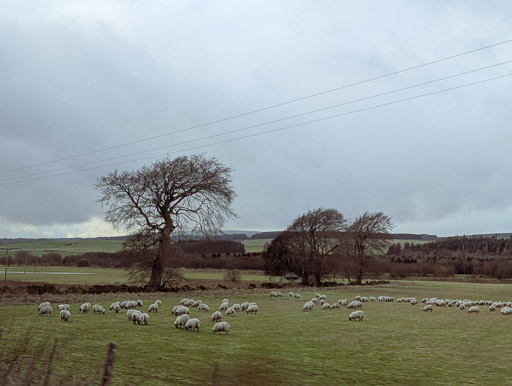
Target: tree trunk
x,y
305,278
157,270
318,279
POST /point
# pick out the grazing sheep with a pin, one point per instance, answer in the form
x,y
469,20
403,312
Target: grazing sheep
x,y
63,307
343,302
159,302
474,310
65,315
291,294
140,303
131,312
308,306
506,311
174,309
131,305
125,304
492,308
197,303
181,321
364,299
372,299
428,307
153,307
358,298
413,302
117,308
97,309
230,312
273,294
216,316
297,296
322,302
193,324
183,301
356,315
236,307
182,310
462,306
203,307
355,304
113,305
314,300
252,309
85,308
223,307
335,305
46,310
244,306
145,318
326,306
137,317
225,301
45,304
189,303
221,327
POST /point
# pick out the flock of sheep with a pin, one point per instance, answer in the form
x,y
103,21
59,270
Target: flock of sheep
x,y
181,311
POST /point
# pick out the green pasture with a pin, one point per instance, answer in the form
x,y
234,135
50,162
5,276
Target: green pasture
x,y
395,344
255,245
64,248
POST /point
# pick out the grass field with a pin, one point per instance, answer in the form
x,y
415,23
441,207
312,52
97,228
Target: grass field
x,y
64,248
395,344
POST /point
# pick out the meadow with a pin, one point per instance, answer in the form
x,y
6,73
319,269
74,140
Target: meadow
x,y
64,248
395,344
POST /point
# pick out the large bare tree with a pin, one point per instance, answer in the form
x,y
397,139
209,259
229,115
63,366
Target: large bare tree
x,y
367,236
185,194
305,244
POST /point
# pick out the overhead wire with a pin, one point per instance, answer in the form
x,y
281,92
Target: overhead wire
x,y
261,109
274,130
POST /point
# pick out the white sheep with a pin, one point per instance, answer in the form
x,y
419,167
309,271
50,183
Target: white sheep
x,y
65,315
117,308
193,324
297,296
46,310
203,307
236,307
159,302
223,307
326,306
221,327
124,304
189,303
63,307
244,306
314,300
356,315
130,313
145,318
372,299
230,312
97,309
252,309
225,300
291,294
216,316
175,308
132,304
181,321
183,301
506,311
273,294
308,306
182,310
355,304
140,303
137,317
428,307
197,303
153,307
474,310
113,305
85,308
45,304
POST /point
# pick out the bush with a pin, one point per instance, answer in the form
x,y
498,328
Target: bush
x,y
232,275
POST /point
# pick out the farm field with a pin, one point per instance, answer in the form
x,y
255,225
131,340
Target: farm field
x,y
255,245
395,344
64,248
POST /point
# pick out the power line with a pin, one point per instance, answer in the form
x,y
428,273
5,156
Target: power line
x,y
263,108
261,124
277,129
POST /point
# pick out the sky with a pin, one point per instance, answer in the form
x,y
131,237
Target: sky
x,y
90,87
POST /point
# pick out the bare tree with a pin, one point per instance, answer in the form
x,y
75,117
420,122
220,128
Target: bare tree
x,y
186,194
306,243
368,235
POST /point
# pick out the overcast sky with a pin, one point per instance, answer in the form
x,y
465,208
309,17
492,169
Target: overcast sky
x,y
77,77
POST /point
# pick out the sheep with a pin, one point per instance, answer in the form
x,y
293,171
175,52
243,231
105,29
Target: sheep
x,y
159,302
63,307
326,306
308,306
97,309
279,294
216,316
221,327
314,300
230,312
364,299
140,303
358,298
193,324
355,304
317,295
223,307
145,318
322,302
153,307
244,306
252,309
413,302
45,304
113,305
137,317
130,313
506,311
291,294
322,297
65,315
197,303
492,308
132,304
474,310
335,305
225,300
343,302
182,310
174,309
181,321
356,315
85,308
203,307
46,310
189,303
117,308
372,299
273,294
183,301
236,307
428,307
124,304
297,296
